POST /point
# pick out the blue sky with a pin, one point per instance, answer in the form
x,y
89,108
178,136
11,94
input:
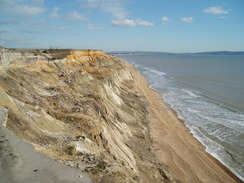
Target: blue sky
x,y
124,25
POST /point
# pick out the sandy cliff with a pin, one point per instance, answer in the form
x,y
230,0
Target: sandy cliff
x,y
80,107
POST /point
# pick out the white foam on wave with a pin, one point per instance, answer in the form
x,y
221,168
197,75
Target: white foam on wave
x,y
195,110
152,85
231,124
160,73
191,93
206,114
215,149
201,114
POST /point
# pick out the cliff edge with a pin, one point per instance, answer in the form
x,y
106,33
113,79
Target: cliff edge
x,y
80,107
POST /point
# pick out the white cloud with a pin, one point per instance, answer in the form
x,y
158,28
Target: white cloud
x,y
93,27
217,10
21,7
117,9
131,23
114,7
74,16
187,19
165,19
54,14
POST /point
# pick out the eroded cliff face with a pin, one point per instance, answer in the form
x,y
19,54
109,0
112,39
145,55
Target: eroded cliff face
x,y
79,106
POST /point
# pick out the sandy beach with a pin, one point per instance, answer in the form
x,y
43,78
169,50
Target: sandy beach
x,y
20,163
175,146
166,153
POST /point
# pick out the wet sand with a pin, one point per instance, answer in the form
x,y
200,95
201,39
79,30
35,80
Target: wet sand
x,y
20,163
175,146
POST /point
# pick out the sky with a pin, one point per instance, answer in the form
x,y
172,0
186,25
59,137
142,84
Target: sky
x,y
123,25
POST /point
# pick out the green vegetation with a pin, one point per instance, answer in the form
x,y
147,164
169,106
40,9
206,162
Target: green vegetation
x,y
101,165
70,150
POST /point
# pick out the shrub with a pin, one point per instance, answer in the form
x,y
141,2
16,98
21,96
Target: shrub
x,y
101,165
70,150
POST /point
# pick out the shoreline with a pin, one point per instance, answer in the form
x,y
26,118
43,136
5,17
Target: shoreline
x,y
161,148
176,147
203,146
228,169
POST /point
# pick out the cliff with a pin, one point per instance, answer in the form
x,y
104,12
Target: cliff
x,y
80,107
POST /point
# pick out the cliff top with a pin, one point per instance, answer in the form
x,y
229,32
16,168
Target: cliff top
x,y
11,54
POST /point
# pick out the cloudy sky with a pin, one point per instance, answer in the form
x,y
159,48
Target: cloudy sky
x,y
123,25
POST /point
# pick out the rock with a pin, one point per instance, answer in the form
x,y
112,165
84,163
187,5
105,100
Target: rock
x,y
82,99
37,108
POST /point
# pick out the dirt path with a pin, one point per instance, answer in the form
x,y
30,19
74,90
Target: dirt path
x,y
20,163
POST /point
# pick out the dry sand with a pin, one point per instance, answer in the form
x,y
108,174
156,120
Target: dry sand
x,y
175,146
19,163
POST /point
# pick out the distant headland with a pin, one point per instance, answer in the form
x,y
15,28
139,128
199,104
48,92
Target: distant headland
x,y
169,53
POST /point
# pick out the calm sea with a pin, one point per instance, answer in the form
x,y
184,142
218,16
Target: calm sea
x,y
207,92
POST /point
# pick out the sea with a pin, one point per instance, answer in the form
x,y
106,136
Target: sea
x,y
207,92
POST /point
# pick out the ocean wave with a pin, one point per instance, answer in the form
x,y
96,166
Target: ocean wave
x,y
218,128
191,93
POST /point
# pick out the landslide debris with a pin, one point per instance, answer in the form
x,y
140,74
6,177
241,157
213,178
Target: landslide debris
x,y
79,106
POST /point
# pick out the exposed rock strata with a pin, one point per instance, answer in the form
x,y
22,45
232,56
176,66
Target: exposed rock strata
x,y
80,106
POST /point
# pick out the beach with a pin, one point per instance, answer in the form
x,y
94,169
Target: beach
x,y
132,136
175,146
